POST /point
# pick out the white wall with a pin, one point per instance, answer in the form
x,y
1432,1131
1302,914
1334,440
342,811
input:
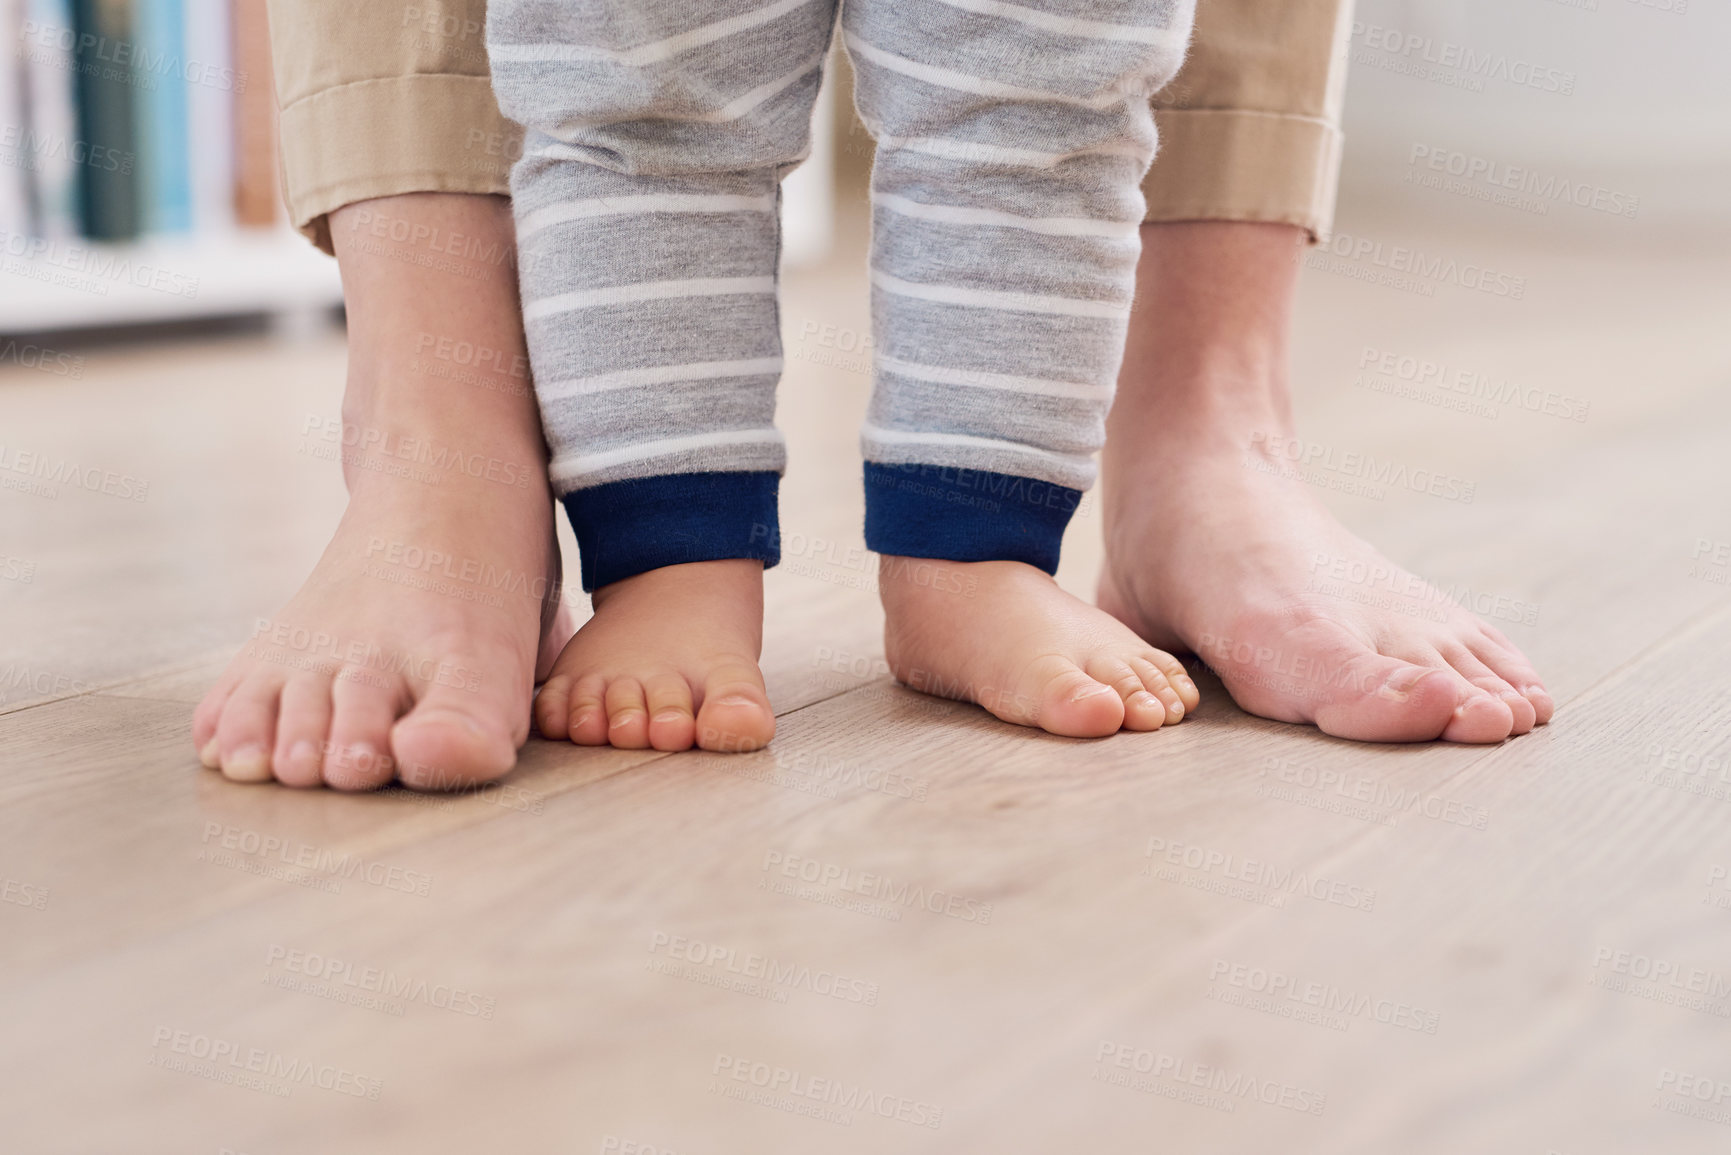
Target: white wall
x,y
1651,90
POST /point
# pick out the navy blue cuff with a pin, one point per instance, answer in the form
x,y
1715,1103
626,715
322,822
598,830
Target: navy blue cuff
x,y
625,528
939,511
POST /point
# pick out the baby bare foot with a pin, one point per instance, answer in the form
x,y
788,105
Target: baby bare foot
x,y
411,651
1004,635
668,661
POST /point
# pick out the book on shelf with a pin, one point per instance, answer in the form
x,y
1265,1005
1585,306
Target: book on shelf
x,y
48,142
123,120
210,114
160,110
107,87
14,174
255,198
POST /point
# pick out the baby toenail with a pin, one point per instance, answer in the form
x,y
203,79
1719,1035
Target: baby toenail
x,y
211,755
248,764
1534,689
735,700
304,751
1145,700
671,714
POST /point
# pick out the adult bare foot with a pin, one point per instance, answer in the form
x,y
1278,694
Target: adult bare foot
x,y
1212,546
1004,635
668,661
411,651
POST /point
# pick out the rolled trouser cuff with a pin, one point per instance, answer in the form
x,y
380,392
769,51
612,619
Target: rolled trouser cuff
x,y
956,514
1244,165
625,528
399,134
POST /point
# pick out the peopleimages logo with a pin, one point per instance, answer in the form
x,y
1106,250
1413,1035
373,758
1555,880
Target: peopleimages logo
x,y
98,55
777,973
89,268
27,148
1275,450
54,472
1476,64
1328,998
1428,269
225,1061
1207,1085
29,356
830,877
1468,383
335,978
1542,187
1264,878
318,859
797,1093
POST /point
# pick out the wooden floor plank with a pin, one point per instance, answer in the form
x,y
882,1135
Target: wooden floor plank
x,y
1598,864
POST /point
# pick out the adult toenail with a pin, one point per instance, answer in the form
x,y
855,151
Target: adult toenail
x,y
363,757
1091,690
211,755
248,764
447,717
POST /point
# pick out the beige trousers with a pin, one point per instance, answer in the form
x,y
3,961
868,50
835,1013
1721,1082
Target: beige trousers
x,y
385,97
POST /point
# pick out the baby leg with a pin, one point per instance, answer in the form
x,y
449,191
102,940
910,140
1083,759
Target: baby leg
x,y
646,205
1012,139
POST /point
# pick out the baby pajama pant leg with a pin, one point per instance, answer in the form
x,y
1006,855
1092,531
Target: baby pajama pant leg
x,y
1012,140
646,203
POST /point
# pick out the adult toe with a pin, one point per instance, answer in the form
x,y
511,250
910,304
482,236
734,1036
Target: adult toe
x,y
455,738
303,729
364,706
247,730
1481,675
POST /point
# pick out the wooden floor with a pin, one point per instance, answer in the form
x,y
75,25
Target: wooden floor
x,y
906,927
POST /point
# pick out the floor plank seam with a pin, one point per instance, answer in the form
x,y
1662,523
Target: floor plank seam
x,y
1682,630
106,689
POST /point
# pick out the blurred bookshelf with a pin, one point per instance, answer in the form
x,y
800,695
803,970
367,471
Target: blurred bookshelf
x,y
138,169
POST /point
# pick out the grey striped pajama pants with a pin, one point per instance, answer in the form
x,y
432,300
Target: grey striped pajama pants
x,y
1012,138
